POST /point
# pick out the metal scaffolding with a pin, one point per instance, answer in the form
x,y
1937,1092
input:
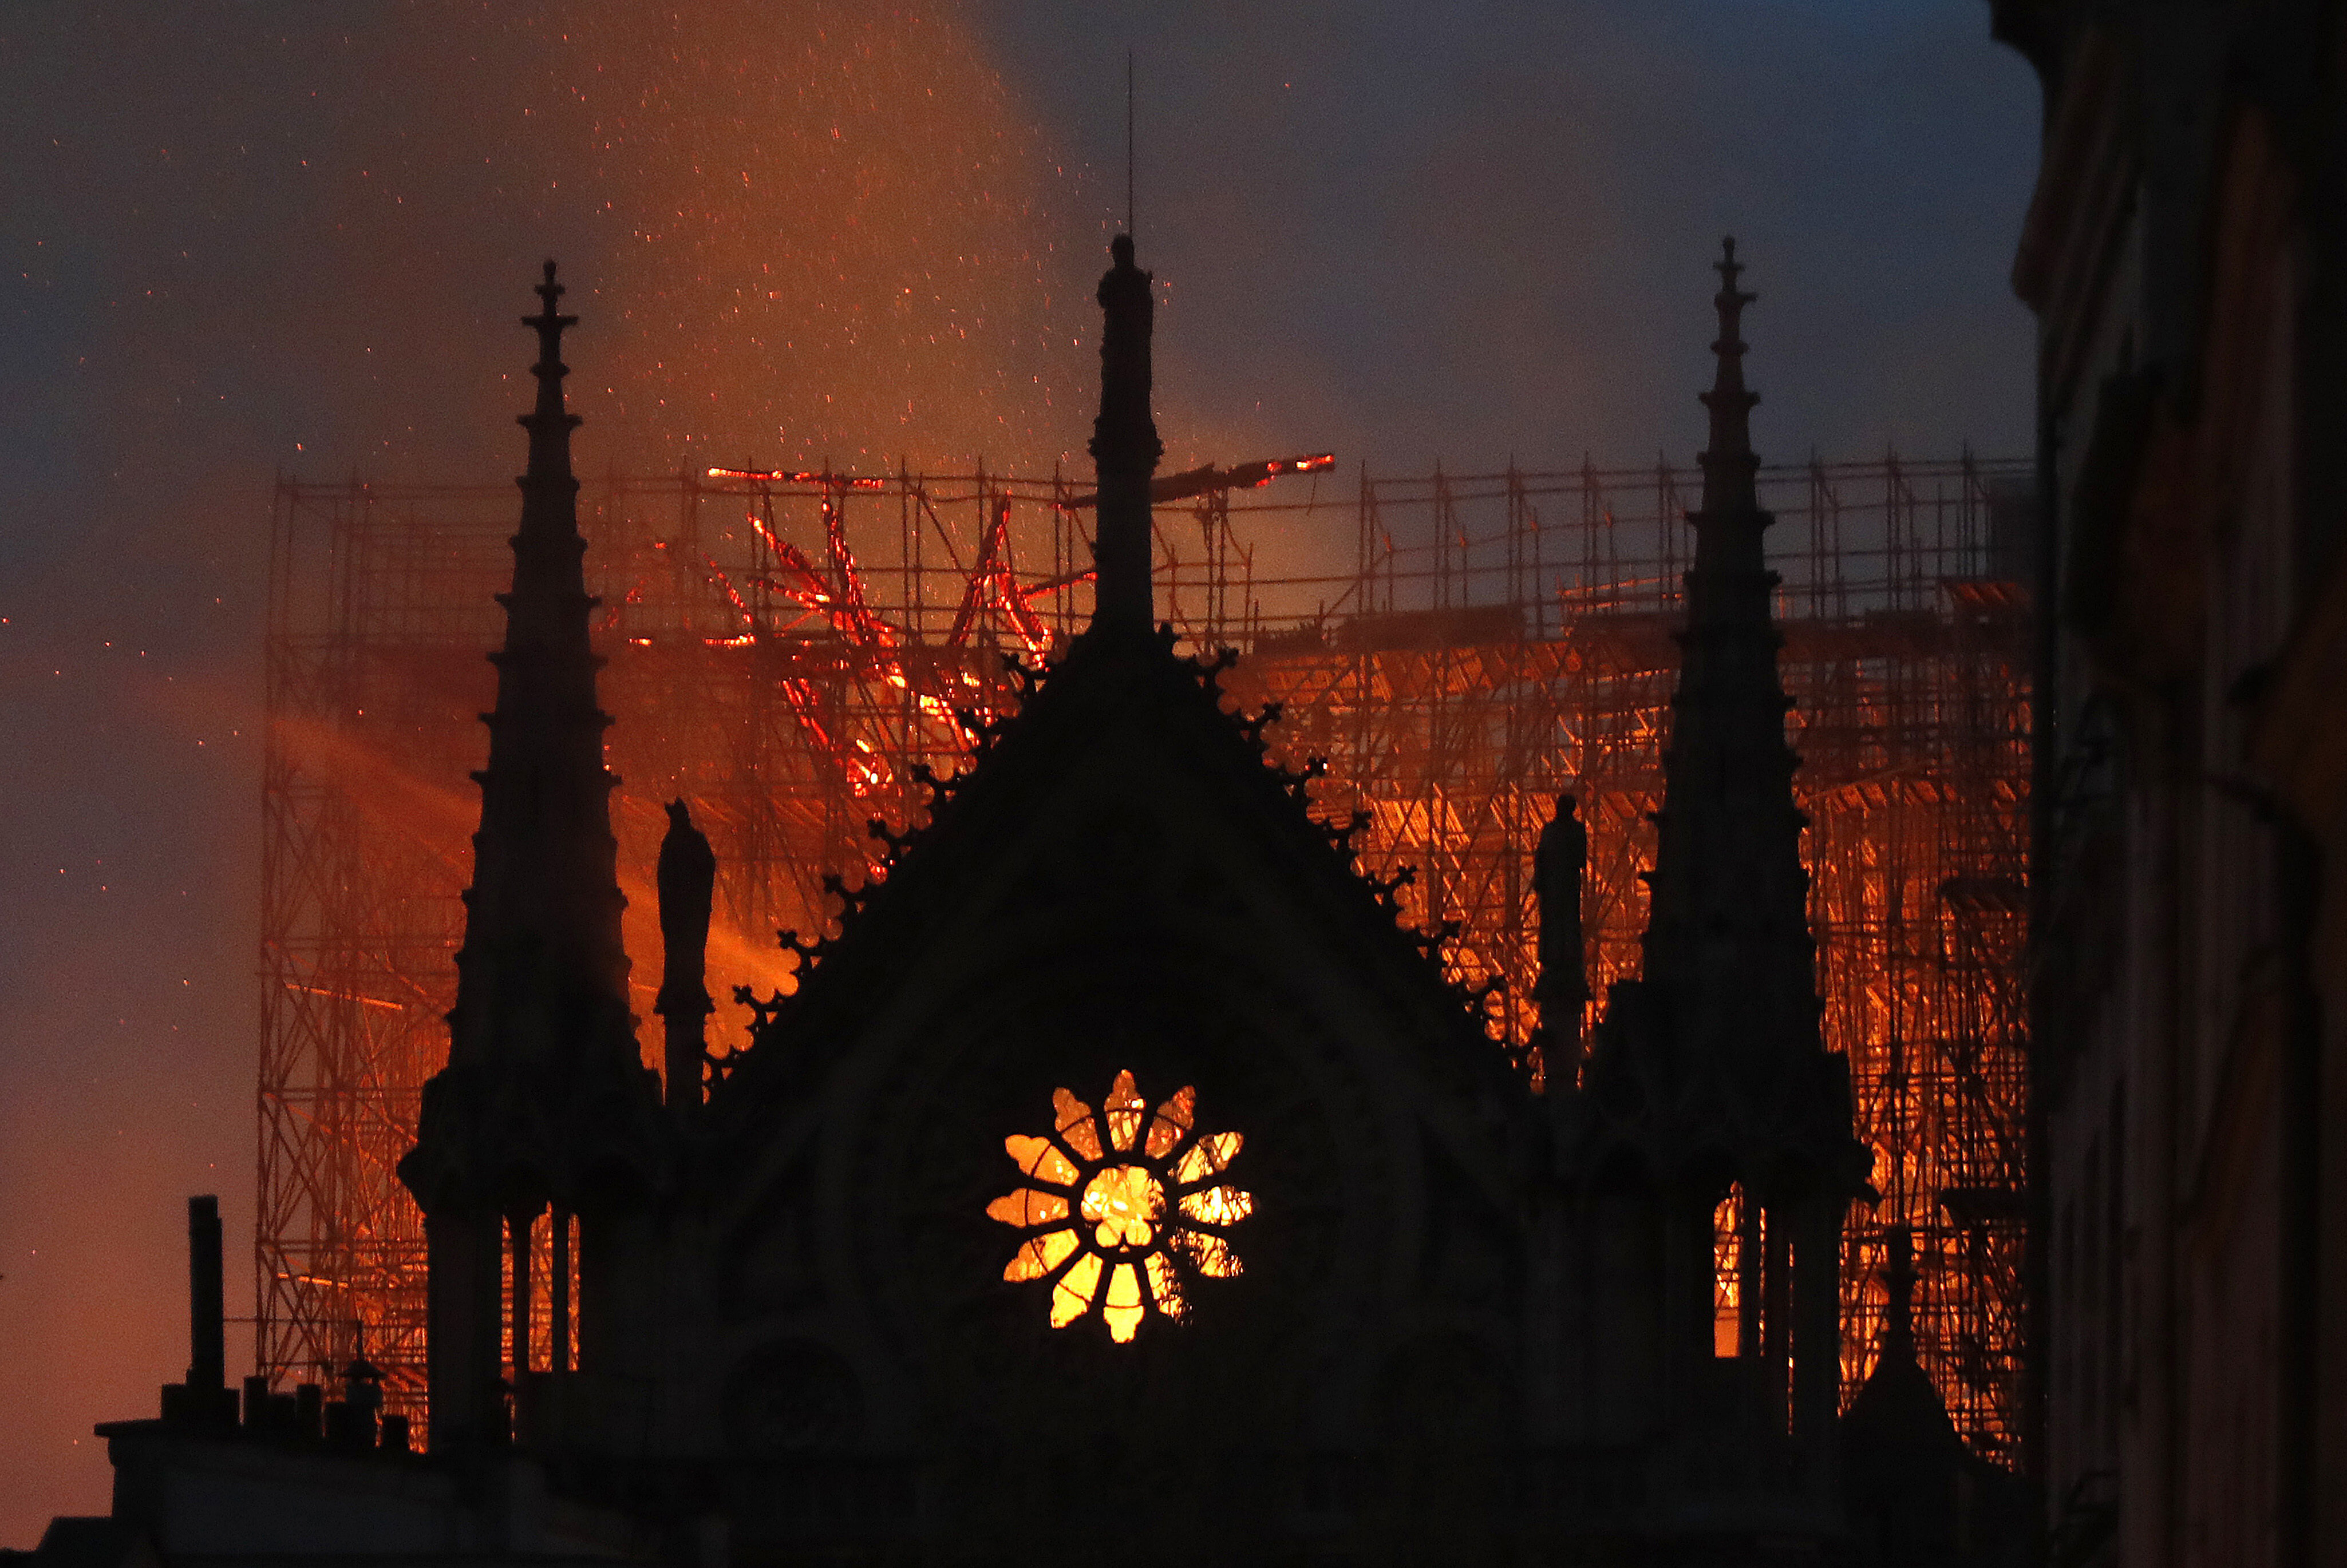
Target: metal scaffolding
x,y
785,648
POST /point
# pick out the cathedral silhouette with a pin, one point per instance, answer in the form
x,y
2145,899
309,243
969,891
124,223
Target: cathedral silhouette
x,y
1120,1181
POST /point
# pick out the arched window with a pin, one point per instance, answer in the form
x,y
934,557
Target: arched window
x,y
1735,1263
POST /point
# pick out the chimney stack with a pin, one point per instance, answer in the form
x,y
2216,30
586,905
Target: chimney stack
x,y
207,1318
205,1399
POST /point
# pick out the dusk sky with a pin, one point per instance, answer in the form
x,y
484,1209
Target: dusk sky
x,y
294,236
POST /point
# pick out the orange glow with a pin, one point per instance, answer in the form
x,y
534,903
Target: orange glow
x,y
1170,1125
832,221
1914,779
1727,1274
795,476
346,996
732,595
1038,1158
1040,1256
1207,1158
993,584
1166,1287
1126,1206
1027,1208
1312,464
1122,1309
1218,1205
1072,1298
1126,1109
1210,1255
1076,1125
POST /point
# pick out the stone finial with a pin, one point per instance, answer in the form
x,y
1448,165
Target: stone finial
x,y
1125,447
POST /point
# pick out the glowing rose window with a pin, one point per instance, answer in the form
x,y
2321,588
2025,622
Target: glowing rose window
x,y
1122,1223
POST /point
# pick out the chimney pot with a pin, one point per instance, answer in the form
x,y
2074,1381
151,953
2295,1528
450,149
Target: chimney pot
x,y
309,1412
207,1320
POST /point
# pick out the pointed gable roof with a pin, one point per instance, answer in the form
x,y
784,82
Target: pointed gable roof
x,y
1121,739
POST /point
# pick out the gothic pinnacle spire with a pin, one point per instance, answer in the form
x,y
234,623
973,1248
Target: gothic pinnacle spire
x,y
1125,448
1729,467
1710,1067
544,1080
1729,921
549,424
545,901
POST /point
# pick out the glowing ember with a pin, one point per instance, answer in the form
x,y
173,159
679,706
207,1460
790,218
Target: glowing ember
x,y
1125,1203
1727,1274
796,476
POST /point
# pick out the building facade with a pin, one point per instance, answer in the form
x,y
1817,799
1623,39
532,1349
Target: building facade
x,y
1120,1173
2183,253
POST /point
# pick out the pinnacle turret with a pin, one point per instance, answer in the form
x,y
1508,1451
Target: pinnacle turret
x,y
545,1099
1729,468
545,897
549,424
541,977
1728,932
1709,1071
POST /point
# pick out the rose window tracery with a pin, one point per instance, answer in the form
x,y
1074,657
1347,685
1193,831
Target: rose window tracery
x,y
1125,1221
